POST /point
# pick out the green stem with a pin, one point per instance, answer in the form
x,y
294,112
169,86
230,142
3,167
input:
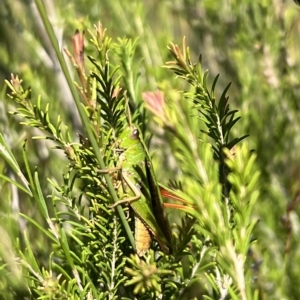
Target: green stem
x,y
82,114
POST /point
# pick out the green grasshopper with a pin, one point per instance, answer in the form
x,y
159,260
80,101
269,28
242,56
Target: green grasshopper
x,y
143,192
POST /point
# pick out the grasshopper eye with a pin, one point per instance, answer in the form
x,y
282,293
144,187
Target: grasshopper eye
x,y
135,134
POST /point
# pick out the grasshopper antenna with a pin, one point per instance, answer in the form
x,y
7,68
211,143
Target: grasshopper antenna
x,y
128,112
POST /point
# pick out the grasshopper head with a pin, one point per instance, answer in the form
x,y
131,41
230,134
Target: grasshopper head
x,y
129,137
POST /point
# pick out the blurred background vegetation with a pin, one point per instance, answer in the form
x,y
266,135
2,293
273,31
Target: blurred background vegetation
x,y
253,44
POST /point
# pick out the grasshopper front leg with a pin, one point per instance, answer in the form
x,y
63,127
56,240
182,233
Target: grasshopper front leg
x,y
111,172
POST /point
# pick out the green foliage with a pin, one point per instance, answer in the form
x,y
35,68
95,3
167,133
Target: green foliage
x,y
89,245
61,238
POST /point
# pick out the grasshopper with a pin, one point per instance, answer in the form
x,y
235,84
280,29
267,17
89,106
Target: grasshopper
x,y
143,192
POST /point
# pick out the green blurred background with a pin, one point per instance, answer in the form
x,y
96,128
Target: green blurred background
x,y
253,44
